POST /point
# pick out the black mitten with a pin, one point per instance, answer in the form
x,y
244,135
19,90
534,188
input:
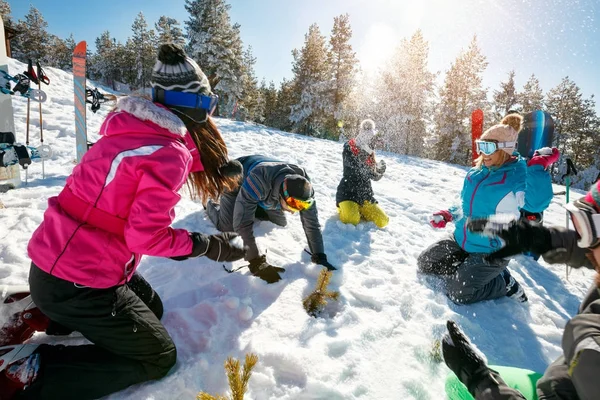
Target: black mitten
x,y
265,271
321,259
520,236
219,247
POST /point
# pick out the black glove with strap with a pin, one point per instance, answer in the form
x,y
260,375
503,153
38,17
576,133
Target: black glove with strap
x,y
219,247
259,267
520,236
321,259
462,359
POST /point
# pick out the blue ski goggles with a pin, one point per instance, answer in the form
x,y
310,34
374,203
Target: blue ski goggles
x,y
485,147
187,100
489,147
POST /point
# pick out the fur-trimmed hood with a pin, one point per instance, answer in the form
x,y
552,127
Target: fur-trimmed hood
x,y
137,114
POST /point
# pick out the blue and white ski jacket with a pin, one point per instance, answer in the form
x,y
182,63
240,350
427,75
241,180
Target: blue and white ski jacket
x,y
499,190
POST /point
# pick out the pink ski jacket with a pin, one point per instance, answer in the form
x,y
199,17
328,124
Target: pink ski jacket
x,y
118,203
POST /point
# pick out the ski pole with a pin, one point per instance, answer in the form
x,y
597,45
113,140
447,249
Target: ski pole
x,y
571,170
33,78
42,78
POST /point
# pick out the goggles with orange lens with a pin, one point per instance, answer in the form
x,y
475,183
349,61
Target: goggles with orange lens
x,y
295,204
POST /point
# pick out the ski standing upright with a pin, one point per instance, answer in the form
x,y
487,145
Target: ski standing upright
x,y
79,55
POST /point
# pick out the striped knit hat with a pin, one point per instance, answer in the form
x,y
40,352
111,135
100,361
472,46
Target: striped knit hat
x,y
593,196
175,71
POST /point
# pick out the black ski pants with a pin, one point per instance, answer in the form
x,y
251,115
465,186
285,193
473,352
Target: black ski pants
x,y
469,277
130,345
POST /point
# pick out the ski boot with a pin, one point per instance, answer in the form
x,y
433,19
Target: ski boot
x,y
19,367
24,318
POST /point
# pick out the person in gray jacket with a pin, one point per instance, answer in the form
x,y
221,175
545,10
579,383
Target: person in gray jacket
x,y
268,189
574,375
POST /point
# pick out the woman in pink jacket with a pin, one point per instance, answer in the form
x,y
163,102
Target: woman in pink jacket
x,y
117,206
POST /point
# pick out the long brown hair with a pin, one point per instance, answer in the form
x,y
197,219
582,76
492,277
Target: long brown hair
x,y
210,183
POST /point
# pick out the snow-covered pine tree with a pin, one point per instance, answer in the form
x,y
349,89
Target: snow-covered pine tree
x,y
32,42
60,52
405,85
108,61
343,63
168,31
250,100
461,93
311,79
5,11
532,96
286,97
577,128
143,46
217,47
269,98
505,99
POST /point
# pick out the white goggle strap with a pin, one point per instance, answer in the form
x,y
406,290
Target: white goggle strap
x,y
506,145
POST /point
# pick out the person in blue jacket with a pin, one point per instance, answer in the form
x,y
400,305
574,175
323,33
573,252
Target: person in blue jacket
x,y
501,182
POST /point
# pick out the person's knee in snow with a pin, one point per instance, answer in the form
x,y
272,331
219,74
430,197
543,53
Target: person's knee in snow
x,y
373,212
166,362
349,212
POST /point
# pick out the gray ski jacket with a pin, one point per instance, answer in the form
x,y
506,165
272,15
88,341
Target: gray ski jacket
x,y
261,187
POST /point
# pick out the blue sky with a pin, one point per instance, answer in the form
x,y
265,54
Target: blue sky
x,y
551,38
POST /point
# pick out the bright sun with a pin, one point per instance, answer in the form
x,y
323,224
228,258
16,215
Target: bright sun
x,y
383,39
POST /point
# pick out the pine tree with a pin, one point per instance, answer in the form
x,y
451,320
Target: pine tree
x,y
238,380
60,52
110,62
317,300
286,98
142,45
532,97
311,73
5,11
217,47
250,101
576,132
404,89
168,31
461,94
343,63
505,99
269,96
32,43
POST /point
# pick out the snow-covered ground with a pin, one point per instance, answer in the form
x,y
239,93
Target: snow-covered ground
x,y
374,343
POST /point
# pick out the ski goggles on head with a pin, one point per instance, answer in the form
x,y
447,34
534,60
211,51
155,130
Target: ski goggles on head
x,y
586,221
489,147
187,100
295,204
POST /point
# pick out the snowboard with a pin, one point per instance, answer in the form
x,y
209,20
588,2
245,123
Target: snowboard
x,y
476,131
523,380
537,132
79,84
10,177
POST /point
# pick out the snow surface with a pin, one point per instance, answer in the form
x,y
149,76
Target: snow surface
x,y
374,343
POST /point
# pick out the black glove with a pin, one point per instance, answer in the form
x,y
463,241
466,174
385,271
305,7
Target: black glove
x,y
217,247
381,167
461,358
520,236
321,259
265,271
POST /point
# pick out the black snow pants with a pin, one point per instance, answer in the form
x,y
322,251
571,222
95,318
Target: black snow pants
x,y
130,345
469,277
